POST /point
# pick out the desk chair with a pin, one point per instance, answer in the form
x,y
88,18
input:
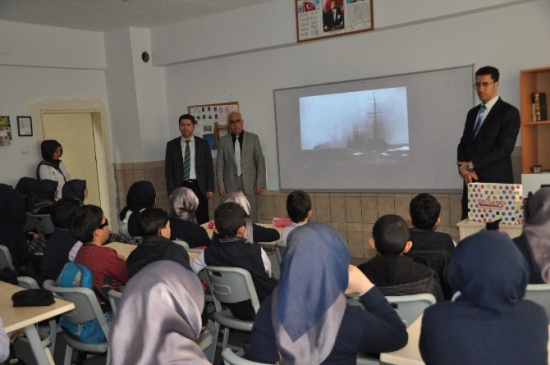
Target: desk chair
x,y
230,358
114,299
182,243
280,248
230,285
86,309
410,307
540,294
44,224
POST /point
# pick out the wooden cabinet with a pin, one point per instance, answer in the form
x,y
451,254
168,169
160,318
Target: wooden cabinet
x,y
535,136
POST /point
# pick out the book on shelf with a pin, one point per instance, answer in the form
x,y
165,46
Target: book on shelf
x,y
538,107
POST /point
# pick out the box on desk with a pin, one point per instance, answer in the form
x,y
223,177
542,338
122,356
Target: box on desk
x,y
488,202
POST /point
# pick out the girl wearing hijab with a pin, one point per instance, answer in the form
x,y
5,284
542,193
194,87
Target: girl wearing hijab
x,y
534,243
184,204
43,197
12,218
26,186
253,232
159,318
51,167
307,319
141,195
487,321
75,190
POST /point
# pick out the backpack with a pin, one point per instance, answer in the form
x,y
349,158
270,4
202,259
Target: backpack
x,y
78,275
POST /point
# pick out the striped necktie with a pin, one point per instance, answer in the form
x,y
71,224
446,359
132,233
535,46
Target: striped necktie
x,y
187,162
479,119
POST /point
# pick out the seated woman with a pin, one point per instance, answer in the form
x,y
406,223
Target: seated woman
x,y
159,317
488,321
51,167
182,222
141,195
534,243
307,319
253,232
12,218
43,197
75,190
26,186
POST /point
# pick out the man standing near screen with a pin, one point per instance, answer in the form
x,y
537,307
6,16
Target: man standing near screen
x,y
240,165
485,149
189,164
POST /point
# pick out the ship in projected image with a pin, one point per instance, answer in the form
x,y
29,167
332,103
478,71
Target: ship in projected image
x,y
369,140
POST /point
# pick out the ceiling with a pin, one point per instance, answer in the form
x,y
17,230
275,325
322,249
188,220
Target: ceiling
x,y
104,15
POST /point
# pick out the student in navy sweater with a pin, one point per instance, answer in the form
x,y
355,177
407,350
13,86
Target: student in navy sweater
x,y
488,321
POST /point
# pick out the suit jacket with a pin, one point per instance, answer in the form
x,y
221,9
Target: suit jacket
x,y
252,164
490,151
204,167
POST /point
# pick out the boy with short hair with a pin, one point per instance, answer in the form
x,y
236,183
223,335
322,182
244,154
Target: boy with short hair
x,y
298,207
90,226
233,250
154,227
391,271
424,212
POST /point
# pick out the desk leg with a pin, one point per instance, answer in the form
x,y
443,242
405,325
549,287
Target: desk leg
x,y
41,353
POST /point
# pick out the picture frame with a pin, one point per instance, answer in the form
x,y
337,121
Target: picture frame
x,y
317,19
212,120
24,126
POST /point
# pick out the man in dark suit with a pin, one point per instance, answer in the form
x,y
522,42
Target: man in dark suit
x,y
485,149
333,19
244,171
199,176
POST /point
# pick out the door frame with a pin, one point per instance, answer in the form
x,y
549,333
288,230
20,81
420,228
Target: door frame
x,y
102,139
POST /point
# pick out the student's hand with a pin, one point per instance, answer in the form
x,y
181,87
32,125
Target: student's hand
x,y
358,282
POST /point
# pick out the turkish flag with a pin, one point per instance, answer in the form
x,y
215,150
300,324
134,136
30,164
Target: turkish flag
x,y
308,6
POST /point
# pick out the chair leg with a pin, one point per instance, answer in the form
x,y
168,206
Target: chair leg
x,y
53,334
225,337
68,355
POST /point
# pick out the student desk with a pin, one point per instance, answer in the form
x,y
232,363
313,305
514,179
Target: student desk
x,y
467,227
410,354
27,317
124,250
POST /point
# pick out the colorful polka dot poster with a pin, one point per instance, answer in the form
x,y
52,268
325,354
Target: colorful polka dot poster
x,y
488,202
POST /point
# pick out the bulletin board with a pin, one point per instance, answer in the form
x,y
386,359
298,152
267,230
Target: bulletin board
x,y
212,120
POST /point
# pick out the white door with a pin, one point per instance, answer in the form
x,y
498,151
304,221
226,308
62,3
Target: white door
x,y
75,132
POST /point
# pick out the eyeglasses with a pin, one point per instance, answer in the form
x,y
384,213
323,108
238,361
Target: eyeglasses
x,y
477,85
104,224
235,121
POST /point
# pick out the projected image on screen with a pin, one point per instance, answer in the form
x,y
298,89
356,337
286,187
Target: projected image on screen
x,y
371,126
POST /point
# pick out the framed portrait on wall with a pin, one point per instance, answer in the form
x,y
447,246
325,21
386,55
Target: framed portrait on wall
x,y
317,19
212,120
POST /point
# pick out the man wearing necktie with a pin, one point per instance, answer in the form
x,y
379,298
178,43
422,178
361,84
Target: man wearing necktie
x,y
240,165
490,132
189,164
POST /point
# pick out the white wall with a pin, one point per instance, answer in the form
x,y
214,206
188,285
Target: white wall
x,y
43,63
409,37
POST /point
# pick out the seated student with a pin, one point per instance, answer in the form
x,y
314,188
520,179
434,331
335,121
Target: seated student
x,y
75,189
391,271
298,208
56,253
141,195
12,218
159,318
307,319
424,212
534,242
233,250
154,225
90,226
43,197
253,232
488,321
183,223
26,186
4,343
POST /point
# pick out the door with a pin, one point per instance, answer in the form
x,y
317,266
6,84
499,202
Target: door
x,y
75,132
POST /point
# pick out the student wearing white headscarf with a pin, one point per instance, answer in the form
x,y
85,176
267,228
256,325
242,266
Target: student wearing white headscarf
x,y
534,243
307,319
159,318
4,343
184,204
